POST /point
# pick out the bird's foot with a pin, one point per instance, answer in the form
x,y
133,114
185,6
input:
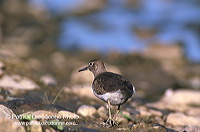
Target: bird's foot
x,y
110,123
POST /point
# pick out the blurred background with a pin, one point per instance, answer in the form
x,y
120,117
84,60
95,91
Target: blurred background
x,y
125,25
156,44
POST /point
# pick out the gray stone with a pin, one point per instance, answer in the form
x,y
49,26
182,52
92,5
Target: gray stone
x,y
179,119
68,115
161,52
182,97
10,49
58,60
8,121
103,112
34,64
192,129
86,110
50,129
48,80
195,82
121,118
8,125
149,112
6,112
43,114
179,100
81,90
193,111
17,82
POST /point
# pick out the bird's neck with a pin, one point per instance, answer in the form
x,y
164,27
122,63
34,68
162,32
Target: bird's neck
x,y
99,71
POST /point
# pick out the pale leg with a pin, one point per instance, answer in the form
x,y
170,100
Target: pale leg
x,y
116,113
110,121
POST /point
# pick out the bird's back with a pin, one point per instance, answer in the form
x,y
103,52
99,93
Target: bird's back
x,y
111,82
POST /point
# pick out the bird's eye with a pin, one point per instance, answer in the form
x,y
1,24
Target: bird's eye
x,y
90,63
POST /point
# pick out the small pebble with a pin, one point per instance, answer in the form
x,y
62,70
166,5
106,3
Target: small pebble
x,y
86,110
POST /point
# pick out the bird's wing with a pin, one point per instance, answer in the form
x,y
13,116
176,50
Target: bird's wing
x,y
111,82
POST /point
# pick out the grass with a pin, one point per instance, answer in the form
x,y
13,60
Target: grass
x,y
53,102
46,98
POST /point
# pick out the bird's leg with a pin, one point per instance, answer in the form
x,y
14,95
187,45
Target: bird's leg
x,y
110,121
109,111
116,113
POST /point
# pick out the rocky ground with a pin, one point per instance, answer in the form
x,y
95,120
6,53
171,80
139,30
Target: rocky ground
x,y
40,89
36,96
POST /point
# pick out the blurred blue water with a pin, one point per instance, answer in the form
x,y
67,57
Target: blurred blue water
x,y
112,27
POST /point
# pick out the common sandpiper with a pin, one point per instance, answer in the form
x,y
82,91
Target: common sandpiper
x,y
109,87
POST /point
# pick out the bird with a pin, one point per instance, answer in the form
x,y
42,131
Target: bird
x,y
112,88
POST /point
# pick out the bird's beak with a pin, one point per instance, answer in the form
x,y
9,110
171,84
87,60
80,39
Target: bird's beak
x,y
83,69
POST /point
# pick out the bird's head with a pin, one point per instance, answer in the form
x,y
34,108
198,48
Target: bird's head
x,y
95,66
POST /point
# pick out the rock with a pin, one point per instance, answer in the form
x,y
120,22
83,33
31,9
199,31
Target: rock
x,y
144,111
179,119
170,63
194,82
6,52
123,117
179,100
47,115
10,49
35,126
81,90
161,52
114,69
8,121
102,111
83,77
8,125
16,83
149,112
34,64
156,112
68,115
58,60
48,80
6,112
192,129
193,112
182,97
86,110
38,115
50,129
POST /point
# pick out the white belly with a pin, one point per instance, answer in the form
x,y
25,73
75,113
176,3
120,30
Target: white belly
x,y
116,98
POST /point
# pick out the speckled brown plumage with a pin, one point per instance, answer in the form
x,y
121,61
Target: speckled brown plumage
x,y
110,82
